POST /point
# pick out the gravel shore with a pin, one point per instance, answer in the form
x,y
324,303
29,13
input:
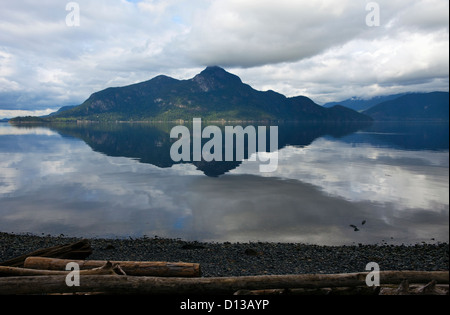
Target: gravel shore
x,y
243,259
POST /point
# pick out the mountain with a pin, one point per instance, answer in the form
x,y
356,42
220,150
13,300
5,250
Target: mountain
x,y
432,106
62,109
360,105
214,94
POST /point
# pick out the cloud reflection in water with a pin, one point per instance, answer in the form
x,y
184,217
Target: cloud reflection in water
x,y
53,184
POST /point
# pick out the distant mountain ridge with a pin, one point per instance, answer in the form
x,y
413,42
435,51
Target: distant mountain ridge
x,y
432,106
214,94
360,105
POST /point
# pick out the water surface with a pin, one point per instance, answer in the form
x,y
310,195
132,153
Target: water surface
x,y
118,180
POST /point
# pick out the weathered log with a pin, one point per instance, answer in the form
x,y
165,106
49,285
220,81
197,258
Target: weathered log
x,y
319,291
106,269
405,288
205,286
414,289
132,268
77,250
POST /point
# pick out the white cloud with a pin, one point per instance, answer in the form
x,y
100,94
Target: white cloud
x,y
316,48
407,62
5,113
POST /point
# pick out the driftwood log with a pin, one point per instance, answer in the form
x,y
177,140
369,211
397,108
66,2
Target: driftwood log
x,y
77,250
206,286
132,268
107,269
430,288
318,291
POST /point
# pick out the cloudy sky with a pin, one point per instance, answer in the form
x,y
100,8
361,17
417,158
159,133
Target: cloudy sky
x,y
328,50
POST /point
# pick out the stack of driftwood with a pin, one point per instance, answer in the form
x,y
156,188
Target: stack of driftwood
x,y
44,272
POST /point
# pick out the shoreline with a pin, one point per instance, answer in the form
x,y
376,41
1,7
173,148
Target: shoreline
x,y
245,259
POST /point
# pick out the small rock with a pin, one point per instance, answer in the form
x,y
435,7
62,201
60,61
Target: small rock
x,y
109,246
251,252
192,246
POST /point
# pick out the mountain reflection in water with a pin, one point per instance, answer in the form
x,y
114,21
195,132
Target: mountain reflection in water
x,y
151,143
119,181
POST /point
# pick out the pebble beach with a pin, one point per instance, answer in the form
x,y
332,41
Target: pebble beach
x,y
244,259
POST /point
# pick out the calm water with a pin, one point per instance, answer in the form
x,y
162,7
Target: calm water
x,y
118,180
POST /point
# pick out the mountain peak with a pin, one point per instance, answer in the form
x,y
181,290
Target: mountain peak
x,y
215,70
213,94
215,77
